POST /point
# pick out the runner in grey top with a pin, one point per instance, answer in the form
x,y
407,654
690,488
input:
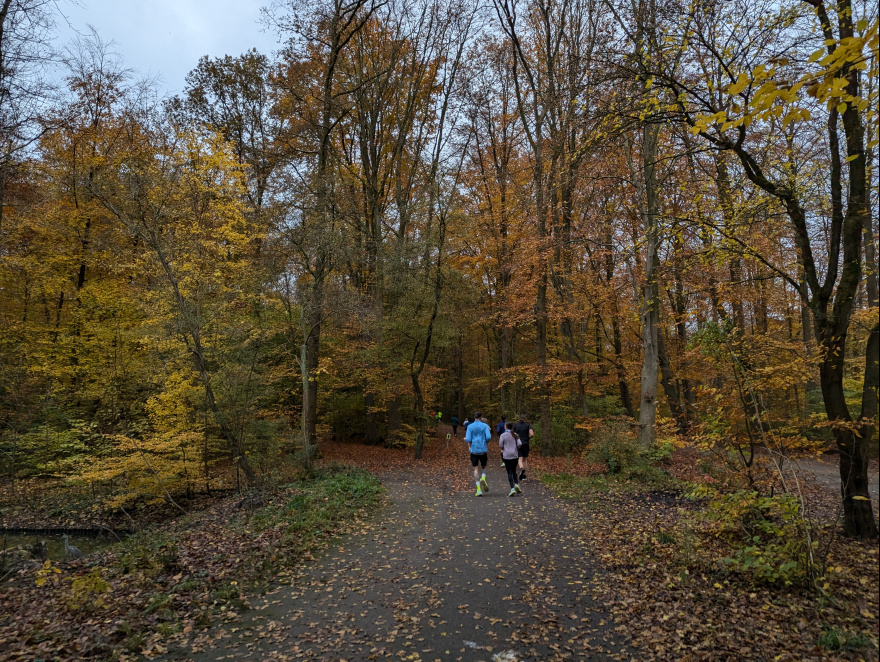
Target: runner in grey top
x,y
509,443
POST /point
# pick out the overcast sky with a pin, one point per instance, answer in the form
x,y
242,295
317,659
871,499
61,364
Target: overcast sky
x,y
168,37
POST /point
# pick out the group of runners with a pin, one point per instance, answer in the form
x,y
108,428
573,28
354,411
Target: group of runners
x,y
513,440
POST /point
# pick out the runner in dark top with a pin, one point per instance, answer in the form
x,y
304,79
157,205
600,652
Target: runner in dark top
x,y
524,431
454,422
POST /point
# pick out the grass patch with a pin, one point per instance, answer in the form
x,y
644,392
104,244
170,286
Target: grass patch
x,y
570,486
833,639
319,502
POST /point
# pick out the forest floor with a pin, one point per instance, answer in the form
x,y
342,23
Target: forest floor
x,y
590,568
581,566
440,574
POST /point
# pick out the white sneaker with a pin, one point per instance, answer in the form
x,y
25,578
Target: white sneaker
x,y
517,488
512,492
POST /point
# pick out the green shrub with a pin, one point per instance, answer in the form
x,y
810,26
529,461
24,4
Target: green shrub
x,y
665,537
567,437
661,451
647,475
616,449
142,551
770,541
605,406
87,591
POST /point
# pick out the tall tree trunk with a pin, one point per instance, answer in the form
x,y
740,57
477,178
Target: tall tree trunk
x,y
310,355
650,300
459,379
504,346
419,406
870,247
533,115
371,425
341,24
541,316
394,419
858,512
688,397
193,328
669,384
722,181
625,397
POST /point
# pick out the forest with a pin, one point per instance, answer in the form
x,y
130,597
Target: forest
x,y
649,228
661,214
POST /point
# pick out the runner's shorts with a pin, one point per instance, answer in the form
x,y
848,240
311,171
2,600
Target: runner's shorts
x,y
481,459
524,450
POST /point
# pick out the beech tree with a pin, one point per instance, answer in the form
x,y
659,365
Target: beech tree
x,y
746,80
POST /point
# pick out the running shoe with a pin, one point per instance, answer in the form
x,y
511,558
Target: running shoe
x,y
484,483
512,492
517,488
502,464
479,492
522,475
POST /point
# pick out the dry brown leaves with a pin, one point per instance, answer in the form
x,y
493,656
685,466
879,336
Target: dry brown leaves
x,y
669,592
215,555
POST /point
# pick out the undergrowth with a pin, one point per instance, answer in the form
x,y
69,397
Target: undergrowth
x,y
188,574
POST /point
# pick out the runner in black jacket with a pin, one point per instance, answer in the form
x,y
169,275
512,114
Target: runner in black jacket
x,y
525,432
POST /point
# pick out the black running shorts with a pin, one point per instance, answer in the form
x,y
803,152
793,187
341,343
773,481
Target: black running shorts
x,y
524,450
481,459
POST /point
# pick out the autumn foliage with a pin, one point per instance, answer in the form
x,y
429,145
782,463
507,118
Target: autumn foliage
x,y
559,210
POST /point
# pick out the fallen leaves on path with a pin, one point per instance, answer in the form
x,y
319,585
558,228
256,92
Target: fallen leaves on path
x,y
438,575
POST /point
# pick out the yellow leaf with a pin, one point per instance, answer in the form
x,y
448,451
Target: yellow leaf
x,y
741,82
841,108
816,55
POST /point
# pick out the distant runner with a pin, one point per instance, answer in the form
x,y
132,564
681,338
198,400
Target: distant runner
x,y
499,430
477,437
509,443
525,433
454,422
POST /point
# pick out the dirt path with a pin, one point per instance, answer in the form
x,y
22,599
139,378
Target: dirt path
x,y
440,575
826,472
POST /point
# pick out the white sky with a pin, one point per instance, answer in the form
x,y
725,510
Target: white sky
x,y
167,37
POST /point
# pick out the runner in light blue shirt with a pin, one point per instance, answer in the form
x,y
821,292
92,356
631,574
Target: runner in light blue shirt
x,y
477,437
